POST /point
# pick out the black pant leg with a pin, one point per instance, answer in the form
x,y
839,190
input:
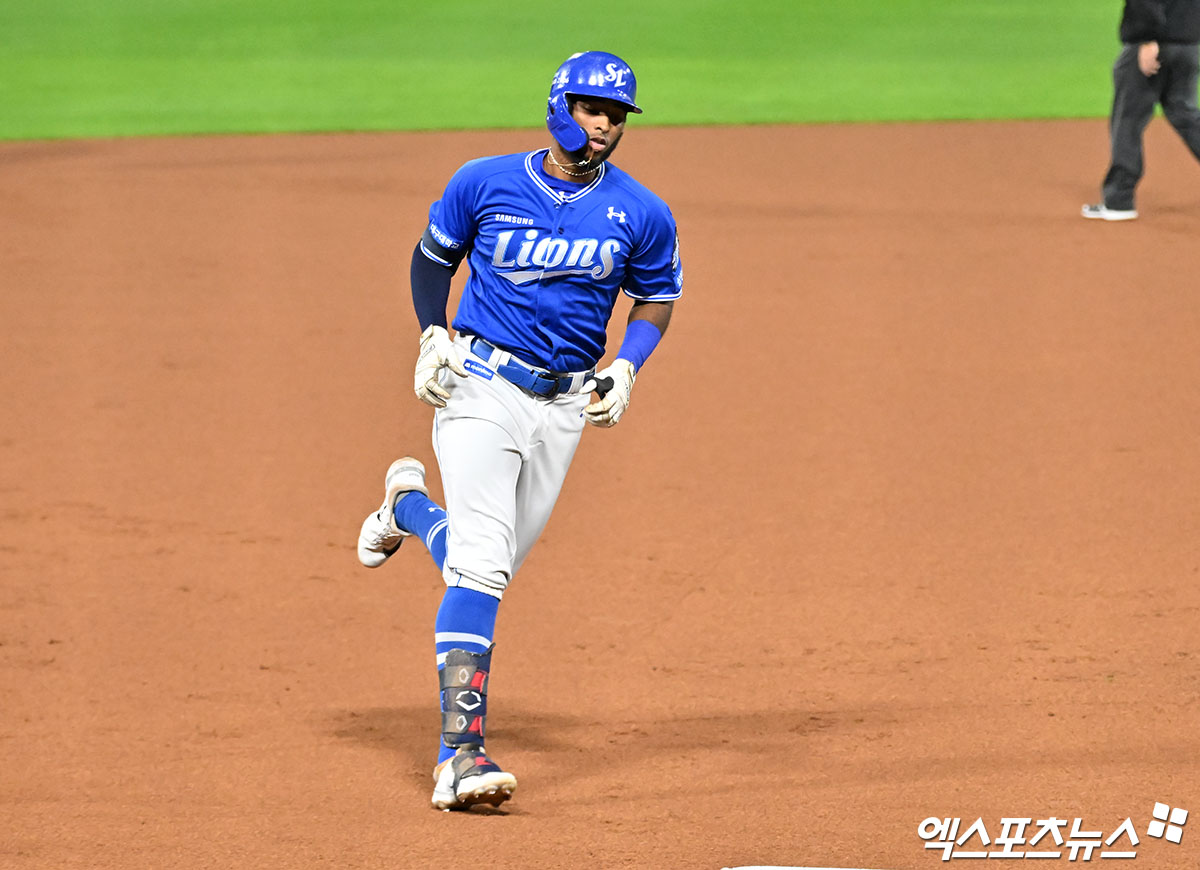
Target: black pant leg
x,y
1181,69
1134,98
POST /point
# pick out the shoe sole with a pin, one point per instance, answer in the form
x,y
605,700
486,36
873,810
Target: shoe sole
x,y
1109,215
488,788
492,789
396,488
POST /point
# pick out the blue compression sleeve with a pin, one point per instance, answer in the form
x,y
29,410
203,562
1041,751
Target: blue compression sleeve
x,y
641,337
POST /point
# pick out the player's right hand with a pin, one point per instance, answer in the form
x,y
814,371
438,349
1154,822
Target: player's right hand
x,y
437,352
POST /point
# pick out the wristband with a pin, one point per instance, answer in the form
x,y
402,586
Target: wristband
x,y
641,337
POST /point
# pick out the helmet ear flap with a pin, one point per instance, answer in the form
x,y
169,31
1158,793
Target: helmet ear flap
x,y
562,126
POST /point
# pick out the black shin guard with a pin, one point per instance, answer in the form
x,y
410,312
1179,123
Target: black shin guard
x,y
464,681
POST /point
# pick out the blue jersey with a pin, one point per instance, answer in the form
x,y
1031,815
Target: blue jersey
x,y
549,257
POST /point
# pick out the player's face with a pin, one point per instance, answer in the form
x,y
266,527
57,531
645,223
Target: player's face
x,y
604,122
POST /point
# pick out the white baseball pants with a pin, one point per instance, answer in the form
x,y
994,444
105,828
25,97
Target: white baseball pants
x,y
503,455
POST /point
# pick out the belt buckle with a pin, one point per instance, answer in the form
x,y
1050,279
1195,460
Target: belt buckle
x,y
555,385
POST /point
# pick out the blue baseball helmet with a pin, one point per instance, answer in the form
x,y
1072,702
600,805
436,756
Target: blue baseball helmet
x,y
587,74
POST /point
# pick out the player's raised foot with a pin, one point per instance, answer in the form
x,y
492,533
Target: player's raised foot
x,y
1101,212
380,536
469,778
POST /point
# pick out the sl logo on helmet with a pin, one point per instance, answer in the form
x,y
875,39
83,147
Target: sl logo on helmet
x,y
616,74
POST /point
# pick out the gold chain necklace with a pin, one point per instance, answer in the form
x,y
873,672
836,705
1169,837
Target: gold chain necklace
x,y
550,154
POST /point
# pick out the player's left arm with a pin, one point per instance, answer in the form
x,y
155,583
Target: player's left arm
x,y
655,281
657,314
643,331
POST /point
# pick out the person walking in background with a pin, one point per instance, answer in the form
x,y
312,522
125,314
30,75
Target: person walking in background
x,y
1159,63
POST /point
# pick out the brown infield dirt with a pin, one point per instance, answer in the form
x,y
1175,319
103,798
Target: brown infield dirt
x,y
902,521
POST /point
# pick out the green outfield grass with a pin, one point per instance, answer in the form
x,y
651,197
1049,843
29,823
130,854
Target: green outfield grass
x,y
82,68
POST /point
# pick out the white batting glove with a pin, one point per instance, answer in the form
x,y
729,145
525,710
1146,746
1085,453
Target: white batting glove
x,y
609,409
437,353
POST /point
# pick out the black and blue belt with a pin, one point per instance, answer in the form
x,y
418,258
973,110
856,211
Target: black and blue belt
x,y
540,382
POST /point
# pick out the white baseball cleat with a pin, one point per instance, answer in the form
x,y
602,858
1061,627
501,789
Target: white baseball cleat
x,y
380,536
468,778
1102,212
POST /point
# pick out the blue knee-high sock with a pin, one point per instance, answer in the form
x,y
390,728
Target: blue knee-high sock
x,y
419,514
466,620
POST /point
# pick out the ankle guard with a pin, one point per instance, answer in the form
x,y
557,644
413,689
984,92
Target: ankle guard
x,y
471,760
464,680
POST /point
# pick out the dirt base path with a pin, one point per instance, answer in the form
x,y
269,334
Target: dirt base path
x,y
902,521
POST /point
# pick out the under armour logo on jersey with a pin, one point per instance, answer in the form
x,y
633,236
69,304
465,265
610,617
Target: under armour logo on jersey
x,y
613,213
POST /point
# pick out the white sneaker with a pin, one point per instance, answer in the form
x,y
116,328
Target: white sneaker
x,y
380,536
1103,213
468,778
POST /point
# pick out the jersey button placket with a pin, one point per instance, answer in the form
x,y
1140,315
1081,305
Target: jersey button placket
x,y
539,298
563,214
546,303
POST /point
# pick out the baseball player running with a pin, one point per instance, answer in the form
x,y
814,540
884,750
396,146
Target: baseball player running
x,y
552,237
